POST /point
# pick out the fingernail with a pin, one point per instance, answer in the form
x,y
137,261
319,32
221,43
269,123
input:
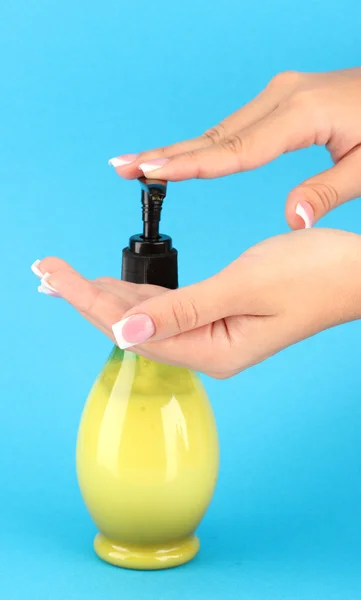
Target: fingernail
x,y
305,211
46,288
153,165
35,268
133,330
121,161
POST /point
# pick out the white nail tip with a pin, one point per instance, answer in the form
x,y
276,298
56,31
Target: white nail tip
x,y
118,162
45,284
118,334
35,269
47,291
147,168
300,211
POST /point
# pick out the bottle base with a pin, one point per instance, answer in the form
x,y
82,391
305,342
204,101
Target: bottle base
x,y
146,558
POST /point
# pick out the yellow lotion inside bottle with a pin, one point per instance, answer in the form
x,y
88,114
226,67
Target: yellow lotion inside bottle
x,y
147,461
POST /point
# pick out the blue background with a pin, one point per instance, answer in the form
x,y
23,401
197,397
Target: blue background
x,y
81,82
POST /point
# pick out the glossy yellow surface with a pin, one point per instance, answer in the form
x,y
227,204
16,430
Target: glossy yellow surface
x,y
147,461
147,557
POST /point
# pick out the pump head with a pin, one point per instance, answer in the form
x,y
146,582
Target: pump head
x,y
150,257
153,194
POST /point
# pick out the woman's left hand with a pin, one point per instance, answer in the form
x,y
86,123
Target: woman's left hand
x,y
277,293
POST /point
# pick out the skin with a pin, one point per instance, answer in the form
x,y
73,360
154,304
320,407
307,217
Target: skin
x,y
295,110
282,290
277,293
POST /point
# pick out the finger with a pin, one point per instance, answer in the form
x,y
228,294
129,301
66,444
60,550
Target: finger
x,y
198,350
42,268
48,265
264,103
279,132
103,308
178,311
223,348
205,348
131,295
317,196
53,263
240,343
98,305
128,289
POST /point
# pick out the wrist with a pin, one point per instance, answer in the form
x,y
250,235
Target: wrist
x,y
348,287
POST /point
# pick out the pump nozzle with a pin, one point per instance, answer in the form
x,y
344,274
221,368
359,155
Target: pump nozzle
x,y
153,194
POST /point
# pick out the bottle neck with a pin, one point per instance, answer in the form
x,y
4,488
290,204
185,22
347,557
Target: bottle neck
x,y
148,377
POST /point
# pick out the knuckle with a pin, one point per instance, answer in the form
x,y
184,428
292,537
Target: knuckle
x,y
215,134
307,105
324,196
185,314
286,79
233,144
189,155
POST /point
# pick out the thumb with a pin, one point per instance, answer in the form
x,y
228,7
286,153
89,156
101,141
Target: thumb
x,y
317,196
176,311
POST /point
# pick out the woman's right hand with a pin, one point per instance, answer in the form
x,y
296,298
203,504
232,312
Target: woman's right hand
x,y
295,110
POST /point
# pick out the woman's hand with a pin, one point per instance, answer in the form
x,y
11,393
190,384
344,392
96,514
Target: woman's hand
x,y
294,111
277,293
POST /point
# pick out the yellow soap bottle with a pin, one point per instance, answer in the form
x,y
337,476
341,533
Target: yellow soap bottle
x,y
147,449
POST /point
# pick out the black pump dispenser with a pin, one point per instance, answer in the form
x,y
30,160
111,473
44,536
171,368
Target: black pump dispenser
x,y
150,257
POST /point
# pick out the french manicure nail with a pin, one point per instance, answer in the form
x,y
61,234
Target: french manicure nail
x,y
133,330
122,161
153,165
46,288
35,268
305,211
